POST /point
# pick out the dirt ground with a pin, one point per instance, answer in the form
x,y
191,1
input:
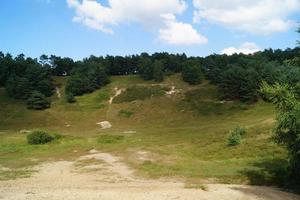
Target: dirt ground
x,y
102,176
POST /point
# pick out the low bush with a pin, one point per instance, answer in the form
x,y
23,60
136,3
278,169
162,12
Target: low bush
x,y
39,137
70,98
235,136
126,113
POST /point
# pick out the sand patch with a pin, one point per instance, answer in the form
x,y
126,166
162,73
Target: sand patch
x,y
117,93
105,124
106,177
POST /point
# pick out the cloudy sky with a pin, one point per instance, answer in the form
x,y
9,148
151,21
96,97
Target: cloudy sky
x,y
79,28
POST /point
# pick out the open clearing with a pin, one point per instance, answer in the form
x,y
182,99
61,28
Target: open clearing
x,y
162,147
103,176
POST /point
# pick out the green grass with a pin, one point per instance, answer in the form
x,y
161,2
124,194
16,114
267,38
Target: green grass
x,y
110,139
186,133
126,113
139,93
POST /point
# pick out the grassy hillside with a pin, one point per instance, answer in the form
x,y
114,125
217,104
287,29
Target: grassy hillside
x,y
178,135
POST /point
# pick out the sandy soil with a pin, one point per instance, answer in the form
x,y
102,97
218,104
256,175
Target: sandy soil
x,y
101,176
58,92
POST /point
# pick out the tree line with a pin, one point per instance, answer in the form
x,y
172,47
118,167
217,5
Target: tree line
x,y
237,76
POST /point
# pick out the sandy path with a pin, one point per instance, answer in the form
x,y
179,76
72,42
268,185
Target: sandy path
x,y
57,90
118,92
102,176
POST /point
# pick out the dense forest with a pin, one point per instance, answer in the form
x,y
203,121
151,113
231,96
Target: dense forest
x,y
238,76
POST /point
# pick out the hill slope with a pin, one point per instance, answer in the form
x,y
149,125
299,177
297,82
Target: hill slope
x,y
164,130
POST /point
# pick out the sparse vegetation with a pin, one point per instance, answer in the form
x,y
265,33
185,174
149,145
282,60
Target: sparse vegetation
x,y
139,93
126,113
202,144
110,139
235,136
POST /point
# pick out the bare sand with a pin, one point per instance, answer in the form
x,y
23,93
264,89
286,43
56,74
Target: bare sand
x,y
102,176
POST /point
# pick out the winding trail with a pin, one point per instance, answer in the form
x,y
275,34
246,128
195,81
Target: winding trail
x,y
102,176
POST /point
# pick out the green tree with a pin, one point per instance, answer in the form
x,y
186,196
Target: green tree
x,y
287,129
18,87
237,83
158,73
37,101
85,78
146,68
192,73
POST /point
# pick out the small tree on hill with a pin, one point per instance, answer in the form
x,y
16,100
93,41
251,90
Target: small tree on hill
x,y
146,68
37,101
192,73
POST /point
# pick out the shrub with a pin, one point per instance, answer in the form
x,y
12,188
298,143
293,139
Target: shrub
x,y
126,113
240,130
235,136
70,98
39,137
37,101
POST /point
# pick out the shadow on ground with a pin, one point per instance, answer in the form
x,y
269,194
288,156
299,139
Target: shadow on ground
x,y
266,193
270,172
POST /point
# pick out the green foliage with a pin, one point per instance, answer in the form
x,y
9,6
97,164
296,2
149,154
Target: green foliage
x,y
85,78
126,113
139,93
146,68
39,137
192,73
60,66
27,76
37,101
110,139
238,83
235,136
18,87
297,89
70,98
158,73
288,124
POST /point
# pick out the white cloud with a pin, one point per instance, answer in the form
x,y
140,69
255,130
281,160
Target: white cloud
x,y
93,14
179,33
245,48
253,16
155,15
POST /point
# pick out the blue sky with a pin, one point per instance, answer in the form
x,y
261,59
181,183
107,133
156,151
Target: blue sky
x,y
79,28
